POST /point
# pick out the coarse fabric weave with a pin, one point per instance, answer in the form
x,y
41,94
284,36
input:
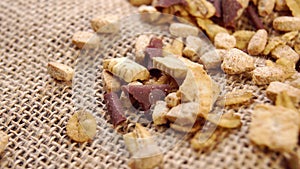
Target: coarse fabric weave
x,y
34,108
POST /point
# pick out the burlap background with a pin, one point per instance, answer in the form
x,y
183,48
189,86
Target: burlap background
x,y
35,108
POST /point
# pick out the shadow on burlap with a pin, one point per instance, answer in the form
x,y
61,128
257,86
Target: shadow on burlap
x,y
34,108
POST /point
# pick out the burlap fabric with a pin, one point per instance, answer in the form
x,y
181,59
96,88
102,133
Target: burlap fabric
x,y
35,108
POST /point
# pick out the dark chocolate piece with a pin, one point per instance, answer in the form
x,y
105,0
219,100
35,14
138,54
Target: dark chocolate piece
x,y
230,10
147,95
254,17
115,108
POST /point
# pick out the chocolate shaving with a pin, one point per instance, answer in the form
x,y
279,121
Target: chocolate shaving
x,y
218,6
155,43
230,10
114,108
146,95
168,3
254,17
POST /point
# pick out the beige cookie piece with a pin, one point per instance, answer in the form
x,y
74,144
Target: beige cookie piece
x,y
105,24
176,48
183,114
183,30
141,44
210,27
202,140
60,71
141,145
140,2
236,97
81,127
148,13
197,87
265,7
237,62
212,59
286,52
226,120
294,6
111,84
85,40
171,65
172,99
224,41
126,69
201,8
3,141
192,128
280,5
159,113
243,38
277,87
267,74
286,23
192,47
258,42
275,127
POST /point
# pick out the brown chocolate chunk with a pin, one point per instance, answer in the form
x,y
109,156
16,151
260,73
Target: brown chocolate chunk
x,y
168,3
155,43
114,108
146,95
230,10
254,17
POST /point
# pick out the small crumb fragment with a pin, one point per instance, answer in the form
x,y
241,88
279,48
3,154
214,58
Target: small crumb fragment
x,y
171,65
237,62
224,41
286,23
3,141
201,8
243,38
236,97
212,59
141,44
111,84
203,140
226,120
277,87
81,127
210,27
126,69
265,7
176,48
85,40
105,24
183,30
286,52
191,50
294,6
141,145
190,128
267,74
276,127
148,13
60,71
159,113
183,114
258,42
172,99
140,2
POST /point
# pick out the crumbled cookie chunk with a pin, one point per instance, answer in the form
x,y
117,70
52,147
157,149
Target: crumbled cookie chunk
x,y
237,62
3,141
172,99
141,145
82,126
294,6
276,87
258,42
236,97
85,40
212,59
105,24
210,27
183,30
201,8
275,127
191,50
60,71
159,113
224,41
111,84
140,2
267,74
148,13
265,7
286,23
126,69
226,120
286,52
184,113
141,44
243,38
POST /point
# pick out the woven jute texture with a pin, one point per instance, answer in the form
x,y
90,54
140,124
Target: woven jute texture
x,y
34,108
